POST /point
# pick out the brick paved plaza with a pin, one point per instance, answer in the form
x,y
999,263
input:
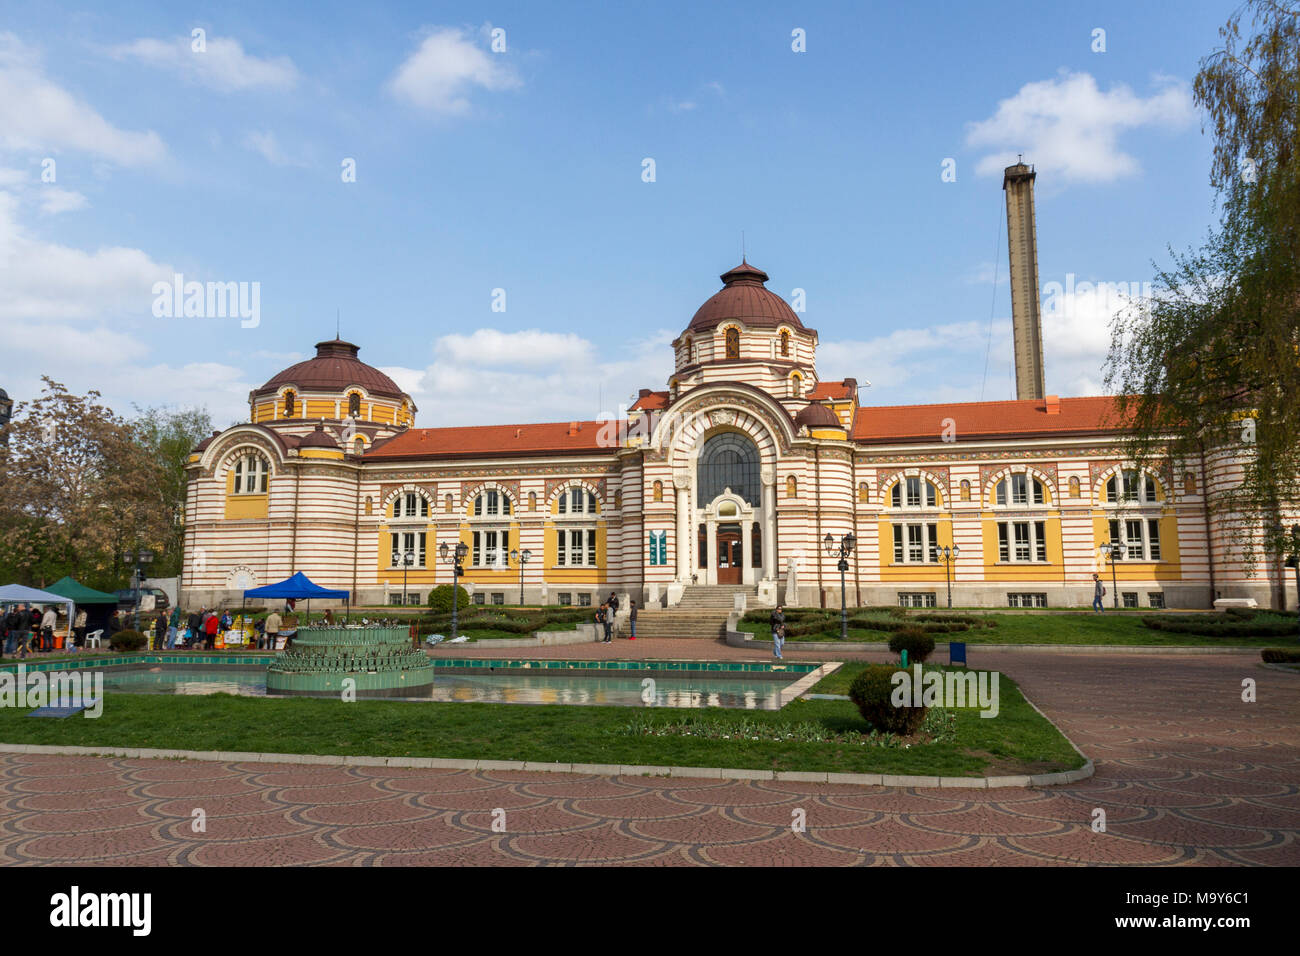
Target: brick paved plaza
x,y
1186,773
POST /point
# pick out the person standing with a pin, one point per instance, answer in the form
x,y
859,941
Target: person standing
x,y
601,613
631,617
173,627
48,620
1098,592
114,625
194,624
777,621
272,631
210,630
160,631
79,629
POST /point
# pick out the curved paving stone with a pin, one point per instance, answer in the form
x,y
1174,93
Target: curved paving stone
x,y
1186,772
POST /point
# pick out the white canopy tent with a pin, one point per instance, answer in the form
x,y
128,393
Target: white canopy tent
x,y
18,594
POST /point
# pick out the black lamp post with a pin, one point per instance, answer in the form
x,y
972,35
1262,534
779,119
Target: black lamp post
x,y
947,555
1116,552
523,557
844,547
408,560
456,558
139,558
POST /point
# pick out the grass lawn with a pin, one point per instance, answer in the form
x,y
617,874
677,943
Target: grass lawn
x,y
1050,628
1018,740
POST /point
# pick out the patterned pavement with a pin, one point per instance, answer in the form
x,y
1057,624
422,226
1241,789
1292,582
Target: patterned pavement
x,y
1186,774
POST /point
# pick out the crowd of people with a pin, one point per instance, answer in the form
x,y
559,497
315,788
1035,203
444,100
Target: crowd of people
x,y
607,619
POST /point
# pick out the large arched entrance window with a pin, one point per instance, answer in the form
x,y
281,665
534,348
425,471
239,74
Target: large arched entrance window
x,y
726,461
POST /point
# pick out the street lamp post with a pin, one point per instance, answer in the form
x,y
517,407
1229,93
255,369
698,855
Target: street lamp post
x,y
1116,553
947,555
844,547
523,557
139,558
408,559
456,558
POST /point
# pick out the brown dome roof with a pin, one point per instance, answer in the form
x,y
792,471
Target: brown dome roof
x,y
334,368
318,438
744,297
818,416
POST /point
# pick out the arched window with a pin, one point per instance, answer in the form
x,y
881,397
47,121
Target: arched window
x,y
446,507
688,346
728,460
1074,487
864,492
792,487
251,471
576,501
354,405
913,492
658,491
532,501
359,446
785,344
290,404
965,490
1189,483
618,501
410,504
1127,487
733,343
1019,489
491,503
370,505
796,385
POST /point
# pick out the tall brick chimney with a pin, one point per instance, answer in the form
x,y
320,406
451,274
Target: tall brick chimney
x,y
1022,243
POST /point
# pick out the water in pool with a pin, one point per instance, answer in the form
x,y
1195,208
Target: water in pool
x,y
563,688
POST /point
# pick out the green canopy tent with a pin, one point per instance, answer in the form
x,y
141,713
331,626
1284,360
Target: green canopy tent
x,y
99,605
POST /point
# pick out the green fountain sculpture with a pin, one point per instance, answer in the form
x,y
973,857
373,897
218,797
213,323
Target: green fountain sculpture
x,y
379,660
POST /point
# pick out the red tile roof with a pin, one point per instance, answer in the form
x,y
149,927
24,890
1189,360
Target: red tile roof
x,y
986,420
492,441
649,401
832,391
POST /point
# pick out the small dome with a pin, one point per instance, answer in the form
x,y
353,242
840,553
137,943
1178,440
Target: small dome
x,y
318,438
817,416
744,297
206,442
334,368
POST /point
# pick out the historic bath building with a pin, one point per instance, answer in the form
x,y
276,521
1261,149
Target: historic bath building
x,y
732,476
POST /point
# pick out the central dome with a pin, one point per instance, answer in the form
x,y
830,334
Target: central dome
x,y
744,297
334,368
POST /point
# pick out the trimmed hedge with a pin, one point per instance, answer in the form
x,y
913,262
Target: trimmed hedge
x,y
127,641
1281,655
871,692
918,644
1215,625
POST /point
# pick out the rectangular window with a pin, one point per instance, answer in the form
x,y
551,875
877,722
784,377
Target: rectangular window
x,y
498,598
1114,531
565,598
591,549
898,544
476,559
414,598
1021,531
1004,551
1022,541
915,545
1130,599
1153,539
1000,493
1018,496
914,492
1031,599
396,542
916,599
584,600
930,499
1040,541
1038,492
896,496
1133,536
478,598
1156,598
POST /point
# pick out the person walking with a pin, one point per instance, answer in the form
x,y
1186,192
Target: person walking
x,y
1098,592
271,632
777,622
79,629
631,617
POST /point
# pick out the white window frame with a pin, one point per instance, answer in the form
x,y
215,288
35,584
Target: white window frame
x,y
490,554
1020,489
254,467
1034,538
401,541
908,493
1143,547
907,534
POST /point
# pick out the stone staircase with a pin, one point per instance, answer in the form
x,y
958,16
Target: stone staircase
x,y
701,614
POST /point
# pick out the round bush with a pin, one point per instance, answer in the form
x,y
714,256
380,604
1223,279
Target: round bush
x,y
871,692
918,644
127,641
440,598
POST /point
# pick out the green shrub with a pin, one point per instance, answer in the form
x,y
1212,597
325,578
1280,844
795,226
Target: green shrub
x,y
127,641
871,692
1218,625
440,598
918,644
1281,655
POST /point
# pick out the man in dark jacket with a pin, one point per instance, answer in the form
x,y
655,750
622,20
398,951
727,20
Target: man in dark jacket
x,y
777,620
195,623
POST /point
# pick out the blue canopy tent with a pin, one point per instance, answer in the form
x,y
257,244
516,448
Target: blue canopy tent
x,y
298,587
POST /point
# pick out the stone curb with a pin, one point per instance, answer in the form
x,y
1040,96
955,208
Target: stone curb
x,y
743,639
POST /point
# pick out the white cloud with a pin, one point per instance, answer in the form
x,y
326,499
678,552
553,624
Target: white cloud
x,y
439,76
36,115
54,200
530,348
222,65
45,281
1071,128
265,144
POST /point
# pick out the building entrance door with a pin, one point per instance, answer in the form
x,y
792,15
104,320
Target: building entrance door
x,y
730,559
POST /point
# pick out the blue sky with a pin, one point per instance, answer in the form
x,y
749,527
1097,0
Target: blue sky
x,y
522,170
